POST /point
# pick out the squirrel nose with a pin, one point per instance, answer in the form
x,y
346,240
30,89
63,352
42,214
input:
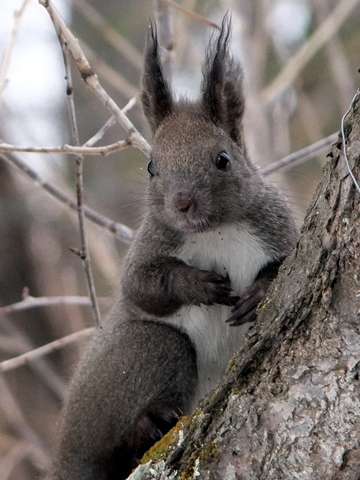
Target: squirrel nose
x,y
183,201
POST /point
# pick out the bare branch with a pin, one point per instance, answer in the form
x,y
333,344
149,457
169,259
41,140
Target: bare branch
x,y
99,134
20,360
91,79
17,453
191,14
18,422
130,104
124,233
68,149
300,156
86,149
112,120
9,47
84,251
316,41
35,302
41,366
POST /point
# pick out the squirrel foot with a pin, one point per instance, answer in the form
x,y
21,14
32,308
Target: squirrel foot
x,y
152,425
245,308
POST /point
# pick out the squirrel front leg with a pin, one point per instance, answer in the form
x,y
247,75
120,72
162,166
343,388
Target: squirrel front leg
x,y
161,286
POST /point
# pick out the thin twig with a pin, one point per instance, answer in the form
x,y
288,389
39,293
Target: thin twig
x,y
91,79
305,53
107,125
191,14
9,47
100,133
20,360
44,370
130,105
18,422
86,149
35,302
84,253
18,452
124,233
68,149
300,156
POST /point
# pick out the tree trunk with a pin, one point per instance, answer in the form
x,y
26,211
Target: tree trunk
x,y
289,406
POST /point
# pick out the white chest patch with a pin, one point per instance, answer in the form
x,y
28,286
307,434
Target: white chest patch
x,y
231,250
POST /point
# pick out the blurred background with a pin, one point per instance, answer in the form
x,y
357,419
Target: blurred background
x,y
300,61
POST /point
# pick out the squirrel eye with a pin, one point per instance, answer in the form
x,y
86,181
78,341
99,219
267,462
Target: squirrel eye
x,y
222,161
151,168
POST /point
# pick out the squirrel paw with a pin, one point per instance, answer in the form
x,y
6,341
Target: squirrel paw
x,y
245,308
212,288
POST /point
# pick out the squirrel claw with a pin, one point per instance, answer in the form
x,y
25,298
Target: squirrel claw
x,y
230,301
236,320
245,308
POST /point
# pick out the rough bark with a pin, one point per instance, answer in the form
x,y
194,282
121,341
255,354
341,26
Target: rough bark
x,y
289,407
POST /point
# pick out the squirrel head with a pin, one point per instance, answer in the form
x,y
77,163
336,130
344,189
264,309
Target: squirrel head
x,y
200,175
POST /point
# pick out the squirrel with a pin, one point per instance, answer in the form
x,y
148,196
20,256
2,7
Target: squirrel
x,y
212,239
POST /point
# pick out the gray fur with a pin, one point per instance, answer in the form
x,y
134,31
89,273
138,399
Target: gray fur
x,y
212,238
108,418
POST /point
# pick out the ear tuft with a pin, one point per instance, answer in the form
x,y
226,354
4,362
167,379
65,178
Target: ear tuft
x,y
222,97
156,96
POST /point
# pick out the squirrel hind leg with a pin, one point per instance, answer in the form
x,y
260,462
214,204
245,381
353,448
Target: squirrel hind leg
x,y
151,425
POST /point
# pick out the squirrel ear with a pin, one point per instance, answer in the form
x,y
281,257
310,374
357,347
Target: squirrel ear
x,y
156,95
222,93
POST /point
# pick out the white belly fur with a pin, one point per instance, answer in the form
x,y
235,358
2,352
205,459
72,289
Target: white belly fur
x,y
234,250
